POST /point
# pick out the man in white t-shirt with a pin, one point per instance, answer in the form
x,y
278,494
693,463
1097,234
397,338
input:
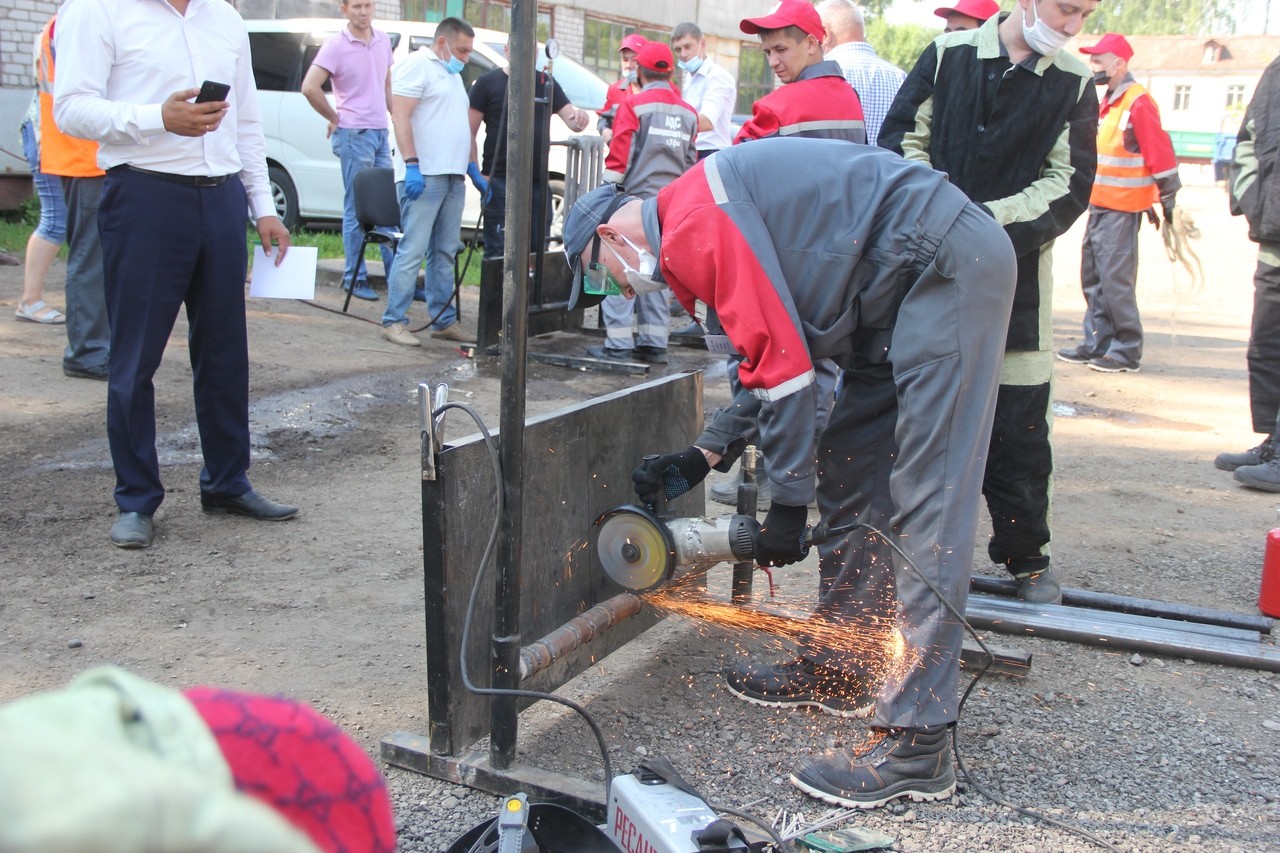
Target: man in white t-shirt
x,y
708,87
429,106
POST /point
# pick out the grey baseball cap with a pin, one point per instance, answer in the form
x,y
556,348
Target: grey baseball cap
x,y
580,230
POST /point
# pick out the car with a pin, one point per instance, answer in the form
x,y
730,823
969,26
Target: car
x,y
306,181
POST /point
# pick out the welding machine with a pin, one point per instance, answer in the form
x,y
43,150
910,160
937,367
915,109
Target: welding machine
x,y
653,810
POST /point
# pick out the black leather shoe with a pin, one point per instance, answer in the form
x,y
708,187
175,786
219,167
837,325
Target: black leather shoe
x,y
75,372
250,503
132,530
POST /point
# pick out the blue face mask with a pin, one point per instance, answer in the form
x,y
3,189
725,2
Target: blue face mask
x,y
692,65
454,65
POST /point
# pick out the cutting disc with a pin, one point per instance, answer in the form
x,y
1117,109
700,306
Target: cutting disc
x,y
635,548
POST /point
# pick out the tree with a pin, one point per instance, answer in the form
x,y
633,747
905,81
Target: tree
x,y
900,44
1162,17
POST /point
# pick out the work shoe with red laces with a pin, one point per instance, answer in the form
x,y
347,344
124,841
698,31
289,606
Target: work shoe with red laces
x,y
799,683
914,763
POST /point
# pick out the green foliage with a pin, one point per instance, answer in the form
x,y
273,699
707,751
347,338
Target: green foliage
x,y
900,44
1162,17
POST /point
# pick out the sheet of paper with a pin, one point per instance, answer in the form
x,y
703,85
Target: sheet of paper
x,y
295,278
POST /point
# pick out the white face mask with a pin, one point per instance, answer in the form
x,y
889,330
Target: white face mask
x,y
1041,37
641,280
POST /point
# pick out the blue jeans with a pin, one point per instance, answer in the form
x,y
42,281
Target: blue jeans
x,y
356,150
53,210
432,226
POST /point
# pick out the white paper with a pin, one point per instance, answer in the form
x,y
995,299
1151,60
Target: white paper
x,y
295,278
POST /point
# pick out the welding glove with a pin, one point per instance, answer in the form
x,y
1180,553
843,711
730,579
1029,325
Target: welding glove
x,y
413,182
781,540
1168,204
671,474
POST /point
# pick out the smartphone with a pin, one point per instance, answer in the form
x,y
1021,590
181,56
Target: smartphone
x,y
211,91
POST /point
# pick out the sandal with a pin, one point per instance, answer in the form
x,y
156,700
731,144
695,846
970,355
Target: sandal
x,y
39,312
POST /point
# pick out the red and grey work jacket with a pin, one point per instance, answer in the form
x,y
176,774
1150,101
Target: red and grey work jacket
x,y
818,104
652,141
1136,163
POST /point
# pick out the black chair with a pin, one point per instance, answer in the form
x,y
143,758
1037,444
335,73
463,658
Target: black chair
x,y
377,206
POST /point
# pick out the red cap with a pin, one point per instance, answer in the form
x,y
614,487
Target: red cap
x,y
656,56
1111,43
635,41
788,13
977,9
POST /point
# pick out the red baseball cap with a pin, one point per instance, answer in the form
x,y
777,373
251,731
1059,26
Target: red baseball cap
x,y
788,13
1111,43
635,41
656,56
978,9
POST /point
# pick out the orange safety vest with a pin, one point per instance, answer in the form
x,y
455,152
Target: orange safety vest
x,y
1123,181
66,156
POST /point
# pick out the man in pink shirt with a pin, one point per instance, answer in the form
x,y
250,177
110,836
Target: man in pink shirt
x,y
358,61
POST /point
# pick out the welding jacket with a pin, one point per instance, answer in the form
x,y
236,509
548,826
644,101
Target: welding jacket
x,y
615,96
652,140
796,250
1255,180
818,104
1020,140
1136,163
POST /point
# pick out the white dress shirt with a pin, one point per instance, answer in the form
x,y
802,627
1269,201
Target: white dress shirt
x,y
712,91
119,60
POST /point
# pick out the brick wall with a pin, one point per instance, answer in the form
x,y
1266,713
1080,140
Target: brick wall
x,y
569,29
21,22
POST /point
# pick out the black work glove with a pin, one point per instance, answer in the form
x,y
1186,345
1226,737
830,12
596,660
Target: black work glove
x,y
671,474
781,540
1152,218
1168,207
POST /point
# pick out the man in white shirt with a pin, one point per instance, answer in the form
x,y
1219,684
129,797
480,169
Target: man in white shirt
x,y
180,176
709,88
875,80
434,151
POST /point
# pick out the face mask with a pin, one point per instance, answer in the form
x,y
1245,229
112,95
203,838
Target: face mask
x,y
641,280
1103,77
453,64
692,65
630,77
1041,37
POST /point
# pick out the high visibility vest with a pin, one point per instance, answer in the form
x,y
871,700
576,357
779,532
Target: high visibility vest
x,y
60,154
1123,181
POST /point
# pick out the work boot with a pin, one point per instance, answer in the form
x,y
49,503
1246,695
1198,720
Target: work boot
x,y
727,493
1265,477
911,763
1264,452
799,683
610,353
1039,587
652,355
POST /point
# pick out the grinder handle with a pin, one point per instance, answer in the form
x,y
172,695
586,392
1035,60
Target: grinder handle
x,y
658,507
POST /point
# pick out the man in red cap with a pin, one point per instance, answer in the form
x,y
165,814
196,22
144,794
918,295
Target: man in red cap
x,y
1136,168
821,104
966,14
627,84
1012,120
653,144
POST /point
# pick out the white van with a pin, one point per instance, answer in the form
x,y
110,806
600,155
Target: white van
x,y
306,180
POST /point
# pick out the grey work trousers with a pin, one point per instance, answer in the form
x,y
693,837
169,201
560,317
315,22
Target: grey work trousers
x,y
1264,343
904,452
1109,277
88,331
652,310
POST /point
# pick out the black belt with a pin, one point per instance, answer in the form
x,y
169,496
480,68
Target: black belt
x,y
185,180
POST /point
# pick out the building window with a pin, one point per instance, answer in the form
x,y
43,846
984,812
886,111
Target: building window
x,y
755,77
600,40
489,14
1235,95
1182,97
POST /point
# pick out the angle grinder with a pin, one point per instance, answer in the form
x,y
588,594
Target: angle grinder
x,y
641,551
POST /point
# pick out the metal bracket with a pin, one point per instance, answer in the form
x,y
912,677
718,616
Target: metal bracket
x,y
431,429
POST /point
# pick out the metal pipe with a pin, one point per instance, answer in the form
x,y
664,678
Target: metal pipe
x,y
1103,618
503,710
576,633
1140,606
1172,641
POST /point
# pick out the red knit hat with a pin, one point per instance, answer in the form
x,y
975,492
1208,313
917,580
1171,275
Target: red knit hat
x,y
303,766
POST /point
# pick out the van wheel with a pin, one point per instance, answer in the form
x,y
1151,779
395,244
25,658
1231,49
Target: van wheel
x,y
285,197
556,188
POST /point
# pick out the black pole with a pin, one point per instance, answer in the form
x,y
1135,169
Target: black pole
x,y
515,318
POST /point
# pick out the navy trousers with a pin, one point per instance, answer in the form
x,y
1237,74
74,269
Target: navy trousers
x,y
166,245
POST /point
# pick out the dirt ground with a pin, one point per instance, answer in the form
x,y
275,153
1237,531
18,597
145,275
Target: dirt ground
x,y
328,608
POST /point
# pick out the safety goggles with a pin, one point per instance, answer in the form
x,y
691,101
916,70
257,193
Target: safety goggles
x,y
596,278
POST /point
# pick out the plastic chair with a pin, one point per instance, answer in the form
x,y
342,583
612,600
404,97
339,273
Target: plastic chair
x,y
377,206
